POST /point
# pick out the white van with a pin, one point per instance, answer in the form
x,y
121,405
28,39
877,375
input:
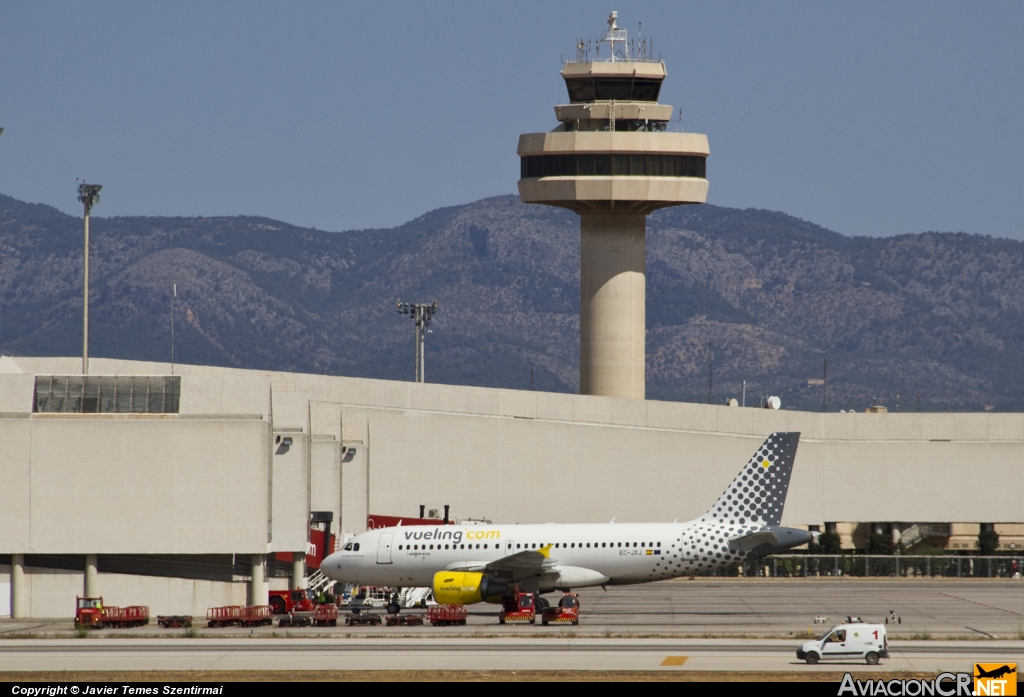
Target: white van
x,y
846,641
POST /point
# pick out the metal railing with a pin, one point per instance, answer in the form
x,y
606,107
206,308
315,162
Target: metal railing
x,y
875,565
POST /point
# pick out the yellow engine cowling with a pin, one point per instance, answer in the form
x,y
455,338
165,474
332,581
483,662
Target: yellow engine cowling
x,y
468,587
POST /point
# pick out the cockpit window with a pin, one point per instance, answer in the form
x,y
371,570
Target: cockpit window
x,y
348,547
355,547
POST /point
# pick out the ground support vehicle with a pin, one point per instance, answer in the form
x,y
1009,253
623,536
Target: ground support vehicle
x,y
366,597
325,616
566,612
88,613
447,615
283,602
518,608
225,616
362,619
404,620
321,616
257,616
132,616
296,619
174,621
238,615
846,641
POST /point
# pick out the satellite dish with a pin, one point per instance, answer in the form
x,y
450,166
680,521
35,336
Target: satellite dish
x,y
774,403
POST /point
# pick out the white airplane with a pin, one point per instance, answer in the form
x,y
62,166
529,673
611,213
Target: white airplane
x,y
467,564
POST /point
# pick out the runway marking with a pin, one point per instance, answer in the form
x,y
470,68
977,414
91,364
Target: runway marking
x,y
674,661
990,607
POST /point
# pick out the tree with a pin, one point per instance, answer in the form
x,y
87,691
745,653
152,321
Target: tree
x,y
880,543
828,543
988,542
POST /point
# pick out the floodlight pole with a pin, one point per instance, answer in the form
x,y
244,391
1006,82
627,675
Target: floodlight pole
x,y
89,195
421,314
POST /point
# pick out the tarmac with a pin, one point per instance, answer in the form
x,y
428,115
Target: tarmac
x,y
705,624
443,653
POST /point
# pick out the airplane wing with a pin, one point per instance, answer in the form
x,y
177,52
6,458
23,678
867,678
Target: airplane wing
x,y
753,540
518,565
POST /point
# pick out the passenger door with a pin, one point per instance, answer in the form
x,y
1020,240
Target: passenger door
x,y
384,548
835,645
510,548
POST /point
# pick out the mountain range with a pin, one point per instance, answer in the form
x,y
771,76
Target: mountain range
x,y
732,295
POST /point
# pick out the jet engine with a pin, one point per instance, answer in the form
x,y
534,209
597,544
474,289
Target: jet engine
x,y
466,588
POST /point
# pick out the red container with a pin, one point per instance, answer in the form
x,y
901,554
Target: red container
x,y
132,616
256,615
446,615
224,616
325,616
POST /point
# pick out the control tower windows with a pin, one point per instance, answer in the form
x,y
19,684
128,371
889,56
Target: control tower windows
x,y
633,125
589,89
594,165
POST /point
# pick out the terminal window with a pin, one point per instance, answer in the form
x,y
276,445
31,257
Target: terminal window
x,y
102,394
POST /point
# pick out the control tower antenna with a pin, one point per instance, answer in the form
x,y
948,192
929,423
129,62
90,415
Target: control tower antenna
x,y
612,161
421,314
614,36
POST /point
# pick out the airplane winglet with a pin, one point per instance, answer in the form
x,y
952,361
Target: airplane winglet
x,y
546,551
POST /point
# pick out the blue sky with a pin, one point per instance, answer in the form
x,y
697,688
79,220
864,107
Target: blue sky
x,y
871,118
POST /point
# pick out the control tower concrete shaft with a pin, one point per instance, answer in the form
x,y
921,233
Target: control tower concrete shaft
x,y
612,160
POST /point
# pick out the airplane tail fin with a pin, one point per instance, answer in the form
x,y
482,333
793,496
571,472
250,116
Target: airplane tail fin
x,y
758,493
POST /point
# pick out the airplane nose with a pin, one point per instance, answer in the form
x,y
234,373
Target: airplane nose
x,y
331,566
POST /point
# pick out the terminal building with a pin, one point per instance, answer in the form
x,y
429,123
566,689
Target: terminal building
x,y
179,492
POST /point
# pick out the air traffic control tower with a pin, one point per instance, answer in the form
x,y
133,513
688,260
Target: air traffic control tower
x,y
613,161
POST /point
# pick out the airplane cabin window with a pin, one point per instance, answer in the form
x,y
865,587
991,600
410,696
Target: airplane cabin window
x,y
518,546
573,545
485,546
603,544
588,545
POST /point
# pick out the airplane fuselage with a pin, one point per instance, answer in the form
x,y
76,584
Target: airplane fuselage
x,y
617,553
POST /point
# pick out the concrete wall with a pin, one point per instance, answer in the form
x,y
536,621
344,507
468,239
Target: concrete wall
x,y
51,593
436,444
127,484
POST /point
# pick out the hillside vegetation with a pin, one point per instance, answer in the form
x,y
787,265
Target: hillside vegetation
x,y
768,295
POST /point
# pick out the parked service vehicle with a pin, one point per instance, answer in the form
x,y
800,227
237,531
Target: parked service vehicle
x,y
285,602
846,641
447,615
567,611
90,613
518,608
